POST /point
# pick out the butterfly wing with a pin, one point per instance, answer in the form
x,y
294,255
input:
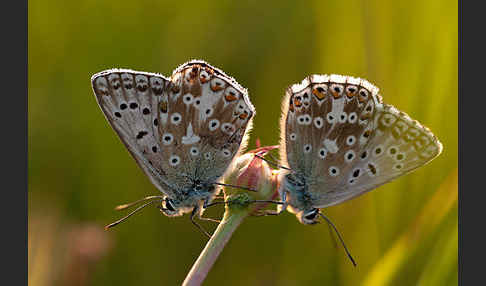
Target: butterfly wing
x,y
203,122
344,141
129,100
179,130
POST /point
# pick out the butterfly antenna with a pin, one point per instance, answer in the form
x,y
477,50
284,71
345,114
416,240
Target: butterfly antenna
x,y
237,187
130,214
126,206
340,238
273,163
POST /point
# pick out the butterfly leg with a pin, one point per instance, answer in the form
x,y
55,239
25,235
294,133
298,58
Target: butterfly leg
x,y
193,214
210,219
282,206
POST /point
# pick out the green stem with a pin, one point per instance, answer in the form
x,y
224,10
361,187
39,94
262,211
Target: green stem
x,y
205,261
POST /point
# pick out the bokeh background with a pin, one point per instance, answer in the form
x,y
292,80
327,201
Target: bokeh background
x,y
404,233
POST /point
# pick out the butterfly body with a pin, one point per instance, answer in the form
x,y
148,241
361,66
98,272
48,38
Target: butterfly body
x,y
183,131
340,140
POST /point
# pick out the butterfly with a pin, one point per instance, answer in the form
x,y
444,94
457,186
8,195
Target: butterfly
x,y
184,131
339,140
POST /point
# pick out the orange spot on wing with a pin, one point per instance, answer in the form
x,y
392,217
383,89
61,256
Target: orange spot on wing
x,y
216,88
243,115
163,106
319,95
298,103
335,94
230,97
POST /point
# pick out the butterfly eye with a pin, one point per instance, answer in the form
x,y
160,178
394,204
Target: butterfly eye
x,y
169,204
311,215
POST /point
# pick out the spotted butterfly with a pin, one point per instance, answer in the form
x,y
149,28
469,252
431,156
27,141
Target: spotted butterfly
x,y
183,131
339,140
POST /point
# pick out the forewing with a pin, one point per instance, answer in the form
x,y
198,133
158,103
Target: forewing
x,y
130,100
203,122
361,144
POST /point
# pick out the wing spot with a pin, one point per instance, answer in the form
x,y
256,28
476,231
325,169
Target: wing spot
x,y
141,134
226,153
188,98
343,117
133,105
356,173
207,156
318,122
392,150
123,106
175,118
330,118
349,156
350,140
372,169
378,150
322,153
213,124
154,149
400,156
398,166
194,151
117,114
174,160
307,148
167,138
156,122
293,137
352,118
304,119
363,95
364,155
333,171
228,128
146,111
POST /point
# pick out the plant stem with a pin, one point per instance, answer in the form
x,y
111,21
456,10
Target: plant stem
x,y
216,244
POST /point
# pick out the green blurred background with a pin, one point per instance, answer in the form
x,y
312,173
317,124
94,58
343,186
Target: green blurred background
x,y
404,233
